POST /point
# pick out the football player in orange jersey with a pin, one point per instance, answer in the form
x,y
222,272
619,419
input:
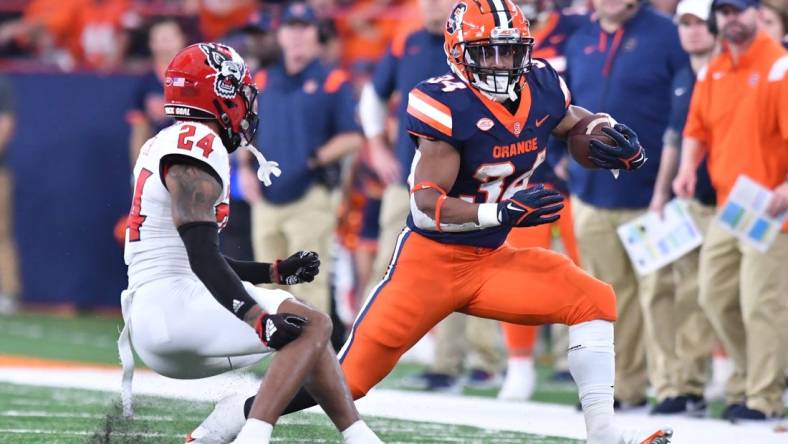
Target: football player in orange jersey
x,y
480,132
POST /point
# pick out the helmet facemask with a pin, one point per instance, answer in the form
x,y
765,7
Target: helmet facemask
x,y
496,65
247,126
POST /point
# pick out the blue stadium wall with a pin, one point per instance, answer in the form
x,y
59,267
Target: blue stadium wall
x,y
69,156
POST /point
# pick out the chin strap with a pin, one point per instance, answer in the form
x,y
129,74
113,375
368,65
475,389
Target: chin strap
x,y
512,93
266,168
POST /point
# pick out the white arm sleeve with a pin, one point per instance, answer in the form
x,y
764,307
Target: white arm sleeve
x,y
372,111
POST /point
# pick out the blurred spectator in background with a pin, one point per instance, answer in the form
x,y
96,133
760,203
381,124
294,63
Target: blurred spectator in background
x,y
624,64
686,349
327,12
773,19
68,34
738,120
48,29
307,124
9,264
165,40
667,7
552,23
368,26
103,38
256,40
219,17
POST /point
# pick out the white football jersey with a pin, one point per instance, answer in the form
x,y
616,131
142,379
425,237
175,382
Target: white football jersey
x,y
154,248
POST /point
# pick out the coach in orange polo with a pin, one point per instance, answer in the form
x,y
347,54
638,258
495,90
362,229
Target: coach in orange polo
x,y
739,119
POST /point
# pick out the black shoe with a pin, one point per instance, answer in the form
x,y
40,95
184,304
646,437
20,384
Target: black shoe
x,y
744,413
562,376
482,379
692,405
435,382
730,409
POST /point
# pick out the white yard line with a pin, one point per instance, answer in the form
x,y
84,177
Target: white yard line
x,y
47,414
84,433
530,417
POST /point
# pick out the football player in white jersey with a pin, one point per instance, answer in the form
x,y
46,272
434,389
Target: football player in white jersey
x,y
191,312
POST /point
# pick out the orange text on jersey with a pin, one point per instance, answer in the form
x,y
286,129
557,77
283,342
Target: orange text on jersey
x,y
515,149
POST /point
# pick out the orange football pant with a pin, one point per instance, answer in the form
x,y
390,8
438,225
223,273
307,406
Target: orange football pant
x,y
428,280
520,339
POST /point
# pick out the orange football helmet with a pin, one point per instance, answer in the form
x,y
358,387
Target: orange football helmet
x,y
488,44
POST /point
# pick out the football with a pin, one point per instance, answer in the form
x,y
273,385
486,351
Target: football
x,y
586,130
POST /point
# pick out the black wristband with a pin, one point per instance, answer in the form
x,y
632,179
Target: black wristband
x,y
201,240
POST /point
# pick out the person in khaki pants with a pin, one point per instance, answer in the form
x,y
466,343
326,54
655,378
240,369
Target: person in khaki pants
x,y
622,64
307,124
9,264
680,337
603,256
739,101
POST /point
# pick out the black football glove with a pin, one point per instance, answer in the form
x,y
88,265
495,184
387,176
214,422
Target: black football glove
x,y
626,154
301,267
529,207
278,330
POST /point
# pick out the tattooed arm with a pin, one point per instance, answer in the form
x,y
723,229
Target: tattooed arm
x,y
194,192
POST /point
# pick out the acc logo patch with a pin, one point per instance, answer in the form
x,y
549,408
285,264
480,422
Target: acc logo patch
x,y
229,69
484,124
455,18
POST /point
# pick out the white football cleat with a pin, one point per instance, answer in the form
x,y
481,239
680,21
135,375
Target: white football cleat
x,y
223,424
520,380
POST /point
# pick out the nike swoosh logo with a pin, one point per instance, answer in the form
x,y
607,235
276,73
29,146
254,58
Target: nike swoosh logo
x,y
541,121
513,208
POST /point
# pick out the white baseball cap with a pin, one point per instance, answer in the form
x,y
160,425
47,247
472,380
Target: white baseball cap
x,y
699,8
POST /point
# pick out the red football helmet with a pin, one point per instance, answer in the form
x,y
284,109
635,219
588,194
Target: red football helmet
x,y
488,44
210,81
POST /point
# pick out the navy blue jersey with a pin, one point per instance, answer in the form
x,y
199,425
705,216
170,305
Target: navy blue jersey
x,y
498,151
410,60
299,113
627,74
